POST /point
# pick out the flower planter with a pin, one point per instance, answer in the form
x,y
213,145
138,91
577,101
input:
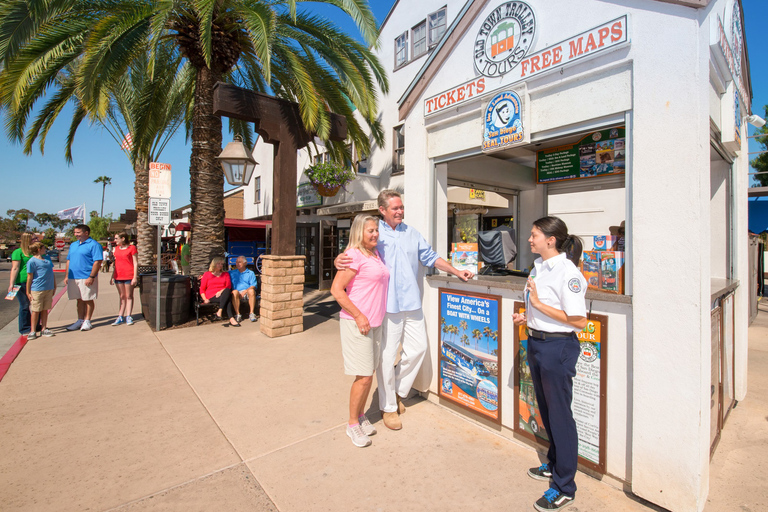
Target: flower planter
x,y
327,191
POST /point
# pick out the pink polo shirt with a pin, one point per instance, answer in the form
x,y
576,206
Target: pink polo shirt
x,y
368,289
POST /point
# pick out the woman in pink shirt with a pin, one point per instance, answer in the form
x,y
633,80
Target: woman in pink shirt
x,y
361,291
215,284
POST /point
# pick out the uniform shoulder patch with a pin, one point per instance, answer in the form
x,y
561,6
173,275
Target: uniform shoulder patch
x,y
574,285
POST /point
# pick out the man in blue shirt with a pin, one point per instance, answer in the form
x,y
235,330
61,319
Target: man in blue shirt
x,y
403,249
82,280
243,285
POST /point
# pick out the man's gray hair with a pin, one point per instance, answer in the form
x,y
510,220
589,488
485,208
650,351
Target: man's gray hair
x,y
241,257
386,195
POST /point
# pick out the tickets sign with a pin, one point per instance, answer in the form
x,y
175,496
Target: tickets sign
x,y
581,46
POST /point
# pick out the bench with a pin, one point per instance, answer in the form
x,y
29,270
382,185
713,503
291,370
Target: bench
x,y
197,299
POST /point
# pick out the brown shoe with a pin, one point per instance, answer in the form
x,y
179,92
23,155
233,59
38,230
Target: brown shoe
x,y
392,420
400,404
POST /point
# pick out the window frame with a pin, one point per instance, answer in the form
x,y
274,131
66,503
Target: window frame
x,y
398,152
444,10
404,38
257,190
423,40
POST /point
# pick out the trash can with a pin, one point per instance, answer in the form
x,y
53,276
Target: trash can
x,y
147,280
175,299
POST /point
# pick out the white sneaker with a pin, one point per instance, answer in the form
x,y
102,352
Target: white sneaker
x,y
252,317
369,429
129,320
47,333
86,325
31,336
357,436
75,326
238,318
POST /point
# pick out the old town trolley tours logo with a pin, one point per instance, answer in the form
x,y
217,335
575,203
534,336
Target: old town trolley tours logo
x,y
504,39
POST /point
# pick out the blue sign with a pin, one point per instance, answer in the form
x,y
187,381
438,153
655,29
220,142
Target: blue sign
x,y
503,123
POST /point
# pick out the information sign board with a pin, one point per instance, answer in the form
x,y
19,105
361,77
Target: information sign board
x,y
159,211
159,180
589,392
598,154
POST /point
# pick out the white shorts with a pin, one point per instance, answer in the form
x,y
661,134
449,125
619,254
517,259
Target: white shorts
x,y
360,351
76,289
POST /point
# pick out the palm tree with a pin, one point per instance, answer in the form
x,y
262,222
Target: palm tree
x,y
486,335
264,45
463,325
104,180
464,340
476,335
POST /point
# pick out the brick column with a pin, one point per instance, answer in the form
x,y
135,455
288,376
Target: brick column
x,y
282,295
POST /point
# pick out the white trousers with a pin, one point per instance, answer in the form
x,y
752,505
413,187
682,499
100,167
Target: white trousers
x,y
409,329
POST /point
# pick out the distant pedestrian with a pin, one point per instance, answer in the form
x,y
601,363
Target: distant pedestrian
x,y
107,255
82,280
184,256
125,276
40,287
19,259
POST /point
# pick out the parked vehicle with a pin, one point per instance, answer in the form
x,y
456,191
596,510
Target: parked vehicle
x,y
53,254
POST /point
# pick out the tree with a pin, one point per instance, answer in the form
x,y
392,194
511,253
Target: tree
x,y
267,46
100,227
476,335
104,180
46,219
760,162
22,215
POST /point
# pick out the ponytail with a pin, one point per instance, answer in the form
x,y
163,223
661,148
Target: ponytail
x,y
569,244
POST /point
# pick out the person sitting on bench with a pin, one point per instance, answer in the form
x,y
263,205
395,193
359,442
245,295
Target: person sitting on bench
x,y
215,284
243,286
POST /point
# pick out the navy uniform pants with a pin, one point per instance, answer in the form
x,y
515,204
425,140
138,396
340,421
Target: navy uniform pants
x,y
553,366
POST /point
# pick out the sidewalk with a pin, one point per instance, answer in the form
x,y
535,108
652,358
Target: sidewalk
x,y
213,418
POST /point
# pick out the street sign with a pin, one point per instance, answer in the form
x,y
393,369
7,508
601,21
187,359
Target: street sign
x,y
159,211
60,244
159,180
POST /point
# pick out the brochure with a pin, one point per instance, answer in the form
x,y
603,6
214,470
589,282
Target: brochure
x,y
12,294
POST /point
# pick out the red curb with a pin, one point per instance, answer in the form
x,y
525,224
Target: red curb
x,y
15,350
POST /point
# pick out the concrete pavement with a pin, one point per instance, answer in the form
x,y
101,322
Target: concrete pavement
x,y
217,418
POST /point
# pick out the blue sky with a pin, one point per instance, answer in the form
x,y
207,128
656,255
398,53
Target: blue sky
x,y
45,183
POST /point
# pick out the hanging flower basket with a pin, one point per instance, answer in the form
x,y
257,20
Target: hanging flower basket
x,y
328,178
327,191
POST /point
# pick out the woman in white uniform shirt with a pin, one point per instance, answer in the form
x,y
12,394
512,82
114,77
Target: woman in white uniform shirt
x,y
555,311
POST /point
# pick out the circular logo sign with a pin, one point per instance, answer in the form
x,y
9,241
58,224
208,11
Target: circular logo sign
x,y
574,285
504,39
589,352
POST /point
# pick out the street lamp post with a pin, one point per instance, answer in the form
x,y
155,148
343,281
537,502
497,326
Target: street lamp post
x,y
237,162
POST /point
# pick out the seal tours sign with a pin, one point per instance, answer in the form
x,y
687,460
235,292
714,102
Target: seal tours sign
x,y
503,122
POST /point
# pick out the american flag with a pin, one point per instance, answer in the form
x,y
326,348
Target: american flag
x,y
127,143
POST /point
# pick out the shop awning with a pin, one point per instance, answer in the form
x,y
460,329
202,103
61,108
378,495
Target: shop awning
x,y
252,224
758,214
183,226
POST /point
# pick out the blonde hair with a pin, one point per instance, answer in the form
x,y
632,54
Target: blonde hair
x,y
25,239
215,261
356,232
35,247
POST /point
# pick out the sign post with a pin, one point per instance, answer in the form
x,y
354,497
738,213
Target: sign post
x,y
159,214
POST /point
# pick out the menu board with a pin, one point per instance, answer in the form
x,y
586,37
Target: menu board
x,y
597,154
589,392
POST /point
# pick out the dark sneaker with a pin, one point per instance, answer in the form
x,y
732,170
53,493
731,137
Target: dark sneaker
x,y
553,500
543,472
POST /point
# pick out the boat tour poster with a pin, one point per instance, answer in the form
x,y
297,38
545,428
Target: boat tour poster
x,y
589,391
469,357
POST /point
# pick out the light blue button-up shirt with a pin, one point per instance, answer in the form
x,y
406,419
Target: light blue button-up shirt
x,y
241,281
402,250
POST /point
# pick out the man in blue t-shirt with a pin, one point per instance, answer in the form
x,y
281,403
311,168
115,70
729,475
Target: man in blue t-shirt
x,y
243,285
82,280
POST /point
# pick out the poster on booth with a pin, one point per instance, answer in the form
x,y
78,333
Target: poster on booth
x,y
464,257
598,154
503,122
469,358
589,392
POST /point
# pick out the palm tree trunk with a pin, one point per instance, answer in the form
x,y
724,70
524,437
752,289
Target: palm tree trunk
x,y
206,178
103,191
144,232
